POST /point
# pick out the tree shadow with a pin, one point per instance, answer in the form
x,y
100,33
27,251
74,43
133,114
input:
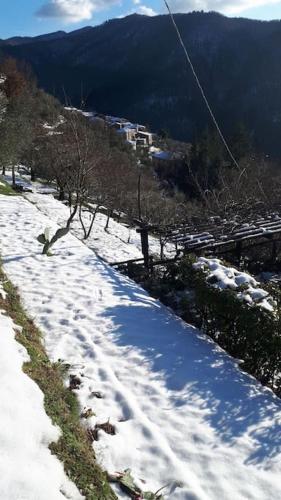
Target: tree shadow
x,y
16,258
191,365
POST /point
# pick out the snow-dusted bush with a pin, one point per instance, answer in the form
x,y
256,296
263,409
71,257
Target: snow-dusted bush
x,y
241,317
223,277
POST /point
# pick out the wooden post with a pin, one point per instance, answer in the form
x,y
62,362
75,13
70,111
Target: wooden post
x,y
238,250
274,252
144,245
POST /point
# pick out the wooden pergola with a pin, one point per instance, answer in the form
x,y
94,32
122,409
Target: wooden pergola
x,y
220,236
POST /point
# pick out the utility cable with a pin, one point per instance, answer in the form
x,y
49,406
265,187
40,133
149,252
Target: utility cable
x,y
200,86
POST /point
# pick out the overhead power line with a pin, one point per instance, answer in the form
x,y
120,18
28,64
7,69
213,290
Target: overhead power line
x,y
200,86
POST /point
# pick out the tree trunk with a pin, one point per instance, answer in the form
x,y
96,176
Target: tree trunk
x,y
161,250
139,196
13,176
61,194
107,220
72,215
32,175
87,232
82,222
91,227
92,222
3,170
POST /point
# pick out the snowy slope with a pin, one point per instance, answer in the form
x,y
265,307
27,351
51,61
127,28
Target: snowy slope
x,y
184,413
28,471
112,245
118,243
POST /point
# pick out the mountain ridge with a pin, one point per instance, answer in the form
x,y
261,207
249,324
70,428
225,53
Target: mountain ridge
x,y
134,67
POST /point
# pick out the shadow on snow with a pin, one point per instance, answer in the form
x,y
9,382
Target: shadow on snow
x,y
192,365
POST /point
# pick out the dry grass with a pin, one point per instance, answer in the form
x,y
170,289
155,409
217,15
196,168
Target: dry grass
x,y
5,189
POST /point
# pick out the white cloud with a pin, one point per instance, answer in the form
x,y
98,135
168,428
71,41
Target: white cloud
x,y
230,7
73,11
139,9
146,11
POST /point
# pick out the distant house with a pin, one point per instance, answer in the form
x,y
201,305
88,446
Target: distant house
x,y
128,132
146,136
160,158
134,134
120,125
133,144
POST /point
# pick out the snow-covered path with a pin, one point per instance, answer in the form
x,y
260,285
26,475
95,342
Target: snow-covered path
x,y
28,471
184,413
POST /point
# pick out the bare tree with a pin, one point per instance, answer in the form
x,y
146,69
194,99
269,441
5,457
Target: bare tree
x,y
71,155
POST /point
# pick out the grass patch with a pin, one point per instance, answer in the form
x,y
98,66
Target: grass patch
x,y
74,446
6,189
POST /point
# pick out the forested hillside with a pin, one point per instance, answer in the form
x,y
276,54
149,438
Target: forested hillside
x,y
88,161
134,67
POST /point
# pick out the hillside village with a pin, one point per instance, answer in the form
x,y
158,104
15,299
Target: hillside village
x,y
140,139
140,308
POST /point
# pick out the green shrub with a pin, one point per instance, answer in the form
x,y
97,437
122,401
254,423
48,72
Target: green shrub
x,y
248,332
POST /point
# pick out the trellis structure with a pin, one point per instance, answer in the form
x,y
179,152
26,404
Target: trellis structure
x,y
220,236
216,237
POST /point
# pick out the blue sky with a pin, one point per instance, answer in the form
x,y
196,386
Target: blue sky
x,y
33,17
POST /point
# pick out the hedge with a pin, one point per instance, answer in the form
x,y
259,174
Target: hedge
x,y
247,332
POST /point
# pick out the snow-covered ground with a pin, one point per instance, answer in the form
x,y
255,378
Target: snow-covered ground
x,y
28,471
118,243
185,415
112,245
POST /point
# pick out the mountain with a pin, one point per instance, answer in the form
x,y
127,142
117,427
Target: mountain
x,y
56,35
22,40
134,67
